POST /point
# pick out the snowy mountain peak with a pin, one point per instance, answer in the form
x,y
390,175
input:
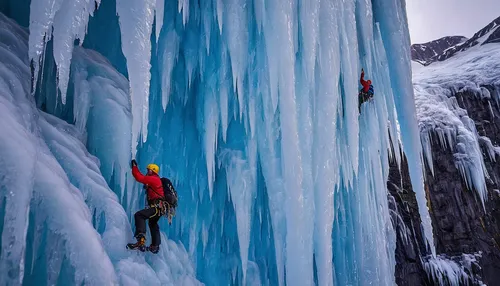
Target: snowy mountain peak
x,y
424,53
487,35
490,33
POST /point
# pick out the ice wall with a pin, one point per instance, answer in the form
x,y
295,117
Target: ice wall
x,y
60,222
251,108
396,39
253,112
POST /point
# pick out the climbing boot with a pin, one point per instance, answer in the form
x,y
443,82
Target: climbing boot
x,y
154,248
140,244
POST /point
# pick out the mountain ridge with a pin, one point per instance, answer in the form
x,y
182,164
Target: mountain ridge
x,y
422,53
446,47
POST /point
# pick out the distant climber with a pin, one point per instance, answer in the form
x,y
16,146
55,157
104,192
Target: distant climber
x,y
161,200
366,92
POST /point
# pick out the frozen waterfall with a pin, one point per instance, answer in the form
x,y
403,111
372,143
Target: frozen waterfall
x,y
249,107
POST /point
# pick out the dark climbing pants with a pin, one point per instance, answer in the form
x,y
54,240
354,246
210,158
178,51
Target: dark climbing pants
x,y
153,215
363,97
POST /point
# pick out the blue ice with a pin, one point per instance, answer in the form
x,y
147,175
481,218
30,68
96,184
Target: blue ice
x,y
250,107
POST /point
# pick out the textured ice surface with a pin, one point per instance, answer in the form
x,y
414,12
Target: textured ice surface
x,y
254,114
101,107
396,40
452,272
136,21
440,117
65,21
250,107
60,222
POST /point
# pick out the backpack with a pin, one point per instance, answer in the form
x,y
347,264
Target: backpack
x,y
169,192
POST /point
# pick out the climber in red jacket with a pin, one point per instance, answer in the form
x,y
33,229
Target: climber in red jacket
x,y
153,212
367,91
365,83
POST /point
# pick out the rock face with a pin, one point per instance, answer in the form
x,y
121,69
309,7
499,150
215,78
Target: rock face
x,y
406,220
465,225
425,53
461,224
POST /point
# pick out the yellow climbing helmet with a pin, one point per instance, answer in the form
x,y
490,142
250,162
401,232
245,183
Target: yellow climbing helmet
x,y
154,168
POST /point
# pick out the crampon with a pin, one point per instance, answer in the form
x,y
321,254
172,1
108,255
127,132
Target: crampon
x,y
140,244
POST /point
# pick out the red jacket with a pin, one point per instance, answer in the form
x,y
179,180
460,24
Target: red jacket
x,y
364,83
155,187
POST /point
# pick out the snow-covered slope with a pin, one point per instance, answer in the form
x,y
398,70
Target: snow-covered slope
x,y
60,221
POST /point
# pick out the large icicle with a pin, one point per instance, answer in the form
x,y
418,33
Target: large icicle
x,y
280,28
170,54
69,20
70,23
309,18
242,185
136,22
41,30
394,28
324,152
211,127
236,35
160,9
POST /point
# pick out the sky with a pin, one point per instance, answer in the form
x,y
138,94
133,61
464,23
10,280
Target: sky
x,y
432,19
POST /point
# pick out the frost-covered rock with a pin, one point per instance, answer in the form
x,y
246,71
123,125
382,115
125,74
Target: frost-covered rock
x,y
443,117
458,110
454,271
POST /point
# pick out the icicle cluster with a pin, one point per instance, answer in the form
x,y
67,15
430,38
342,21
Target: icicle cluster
x,y
254,100
61,223
453,271
251,107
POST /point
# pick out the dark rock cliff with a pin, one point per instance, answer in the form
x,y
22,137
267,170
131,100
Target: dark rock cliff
x,y
478,229
405,217
461,224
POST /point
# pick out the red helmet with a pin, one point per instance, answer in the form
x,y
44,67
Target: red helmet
x,y
369,81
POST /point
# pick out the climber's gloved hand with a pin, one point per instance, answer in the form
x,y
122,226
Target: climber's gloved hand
x,y
133,163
